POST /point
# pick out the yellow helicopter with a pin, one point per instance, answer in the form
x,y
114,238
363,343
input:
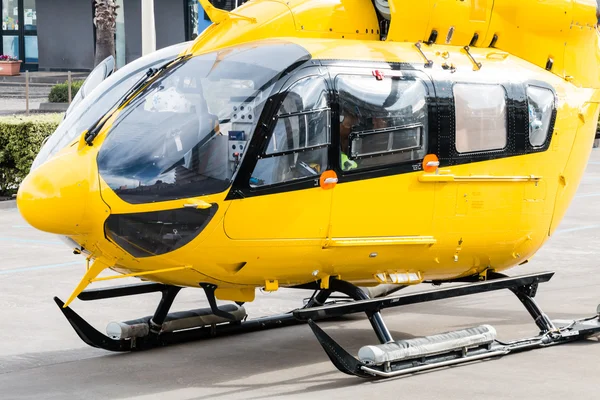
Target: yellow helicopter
x,y
349,146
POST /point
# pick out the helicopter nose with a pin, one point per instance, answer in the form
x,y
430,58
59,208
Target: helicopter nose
x,y
53,198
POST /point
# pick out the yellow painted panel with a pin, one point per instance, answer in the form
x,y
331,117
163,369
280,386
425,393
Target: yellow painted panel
x,y
464,18
534,30
573,171
296,214
389,206
410,20
340,16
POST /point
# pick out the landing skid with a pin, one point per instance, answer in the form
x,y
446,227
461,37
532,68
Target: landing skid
x,y
208,322
392,358
94,338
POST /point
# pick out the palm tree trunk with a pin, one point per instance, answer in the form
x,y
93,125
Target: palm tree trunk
x,y
105,45
105,21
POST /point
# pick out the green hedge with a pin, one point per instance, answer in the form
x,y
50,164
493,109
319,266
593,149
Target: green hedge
x,y
60,93
20,140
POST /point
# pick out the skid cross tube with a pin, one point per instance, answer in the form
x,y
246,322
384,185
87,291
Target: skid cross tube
x,y
354,292
374,305
209,289
526,294
382,332
120,291
168,297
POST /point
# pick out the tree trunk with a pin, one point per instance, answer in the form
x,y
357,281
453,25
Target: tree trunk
x,y
105,20
105,45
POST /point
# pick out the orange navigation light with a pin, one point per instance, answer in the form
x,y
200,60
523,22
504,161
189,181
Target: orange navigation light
x,y
328,179
430,163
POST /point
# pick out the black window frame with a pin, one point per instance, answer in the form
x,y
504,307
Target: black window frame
x,y
388,69
328,69
241,187
446,112
517,114
264,154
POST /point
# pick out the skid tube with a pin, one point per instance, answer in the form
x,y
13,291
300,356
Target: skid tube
x,y
148,332
392,358
155,337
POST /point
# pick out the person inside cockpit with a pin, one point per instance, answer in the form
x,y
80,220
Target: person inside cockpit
x,y
209,157
347,121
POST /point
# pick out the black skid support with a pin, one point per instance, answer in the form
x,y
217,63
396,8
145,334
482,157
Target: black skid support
x,y
355,293
374,305
209,289
525,294
524,287
168,297
375,318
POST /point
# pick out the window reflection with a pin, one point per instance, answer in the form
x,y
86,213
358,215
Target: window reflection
x,y
381,122
298,145
480,117
186,134
81,116
540,106
31,49
11,45
10,16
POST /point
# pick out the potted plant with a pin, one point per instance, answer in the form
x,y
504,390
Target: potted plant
x,y
9,65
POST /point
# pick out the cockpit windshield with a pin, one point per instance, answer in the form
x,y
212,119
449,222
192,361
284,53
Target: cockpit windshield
x,y
101,100
186,133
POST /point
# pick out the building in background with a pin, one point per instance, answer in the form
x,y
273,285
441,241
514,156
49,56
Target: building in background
x,y
59,35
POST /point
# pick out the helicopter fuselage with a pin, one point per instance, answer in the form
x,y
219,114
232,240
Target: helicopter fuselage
x,y
456,161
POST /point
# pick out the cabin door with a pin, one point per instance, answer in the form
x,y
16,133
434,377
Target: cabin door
x,y
382,139
278,195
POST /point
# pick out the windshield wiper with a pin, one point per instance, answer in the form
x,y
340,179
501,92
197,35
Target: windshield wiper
x,y
151,73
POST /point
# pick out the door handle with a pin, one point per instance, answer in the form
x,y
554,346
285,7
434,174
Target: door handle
x,y
330,181
201,204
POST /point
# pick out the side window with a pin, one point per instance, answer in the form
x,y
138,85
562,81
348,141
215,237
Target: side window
x,y
298,144
480,117
382,122
541,105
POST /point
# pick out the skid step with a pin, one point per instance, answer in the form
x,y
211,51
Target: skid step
x,y
525,282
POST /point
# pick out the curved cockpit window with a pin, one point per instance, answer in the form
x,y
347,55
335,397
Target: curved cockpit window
x,y
185,135
297,147
101,100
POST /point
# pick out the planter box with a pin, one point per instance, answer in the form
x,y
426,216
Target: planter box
x,y
10,68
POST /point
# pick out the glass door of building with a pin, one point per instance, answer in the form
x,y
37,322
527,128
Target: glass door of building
x,y
18,32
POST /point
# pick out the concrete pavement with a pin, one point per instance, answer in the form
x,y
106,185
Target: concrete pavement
x,y
42,358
